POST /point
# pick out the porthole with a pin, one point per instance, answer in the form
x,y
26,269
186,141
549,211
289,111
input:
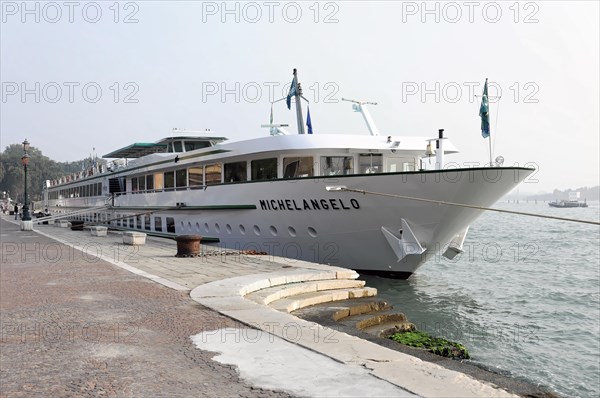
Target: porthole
x,y
228,228
256,230
273,230
292,232
312,232
242,230
189,226
198,227
218,228
206,229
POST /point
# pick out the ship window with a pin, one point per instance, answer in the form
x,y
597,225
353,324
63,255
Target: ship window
x,y
190,146
181,178
235,172
134,184
399,164
142,183
169,179
158,181
158,224
213,174
297,167
170,224
370,163
177,146
264,169
138,222
337,165
150,182
147,222
131,222
195,176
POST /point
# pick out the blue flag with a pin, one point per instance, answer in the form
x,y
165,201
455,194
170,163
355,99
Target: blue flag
x,y
292,92
484,112
308,122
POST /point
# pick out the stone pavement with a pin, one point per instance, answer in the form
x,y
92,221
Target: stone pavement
x,y
75,325
89,328
156,259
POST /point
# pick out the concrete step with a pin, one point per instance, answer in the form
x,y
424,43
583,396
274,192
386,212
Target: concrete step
x,y
383,325
268,295
307,299
359,309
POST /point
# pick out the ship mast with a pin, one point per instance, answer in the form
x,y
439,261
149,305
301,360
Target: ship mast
x,y
298,95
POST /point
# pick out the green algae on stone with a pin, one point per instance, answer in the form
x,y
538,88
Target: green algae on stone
x,y
435,345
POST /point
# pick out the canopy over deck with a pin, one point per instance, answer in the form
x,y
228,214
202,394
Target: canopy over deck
x,y
137,150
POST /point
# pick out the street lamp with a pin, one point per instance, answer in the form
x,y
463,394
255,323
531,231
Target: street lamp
x,y
25,162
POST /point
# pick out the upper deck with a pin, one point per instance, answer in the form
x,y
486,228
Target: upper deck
x,y
271,157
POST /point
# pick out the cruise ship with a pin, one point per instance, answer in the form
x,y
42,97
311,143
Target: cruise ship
x,y
371,203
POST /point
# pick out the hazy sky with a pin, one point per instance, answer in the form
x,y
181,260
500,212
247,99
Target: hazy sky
x,y
83,75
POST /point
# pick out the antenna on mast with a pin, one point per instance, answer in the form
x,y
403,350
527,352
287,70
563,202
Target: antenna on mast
x,y
361,106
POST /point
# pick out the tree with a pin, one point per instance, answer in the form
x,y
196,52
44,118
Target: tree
x,y
40,169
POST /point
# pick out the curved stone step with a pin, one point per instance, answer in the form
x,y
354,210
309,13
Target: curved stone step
x,y
307,299
268,295
385,324
359,309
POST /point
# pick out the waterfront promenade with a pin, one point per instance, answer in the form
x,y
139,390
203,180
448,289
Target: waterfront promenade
x,y
75,325
88,316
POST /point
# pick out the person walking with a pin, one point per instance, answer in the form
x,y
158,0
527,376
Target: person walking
x,y
16,211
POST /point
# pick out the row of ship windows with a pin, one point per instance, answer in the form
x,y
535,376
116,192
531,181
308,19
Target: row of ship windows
x,y
262,169
135,222
77,192
256,170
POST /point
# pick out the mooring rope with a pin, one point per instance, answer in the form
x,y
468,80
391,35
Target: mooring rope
x,y
441,202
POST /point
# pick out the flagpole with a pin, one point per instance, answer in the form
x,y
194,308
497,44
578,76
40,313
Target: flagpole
x,y
490,142
300,119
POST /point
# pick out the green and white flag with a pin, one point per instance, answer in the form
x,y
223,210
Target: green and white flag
x,y
484,112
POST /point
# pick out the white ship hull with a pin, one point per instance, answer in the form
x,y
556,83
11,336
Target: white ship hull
x,y
301,219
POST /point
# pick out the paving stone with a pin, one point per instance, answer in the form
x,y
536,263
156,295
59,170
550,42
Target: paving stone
x,y
82,327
